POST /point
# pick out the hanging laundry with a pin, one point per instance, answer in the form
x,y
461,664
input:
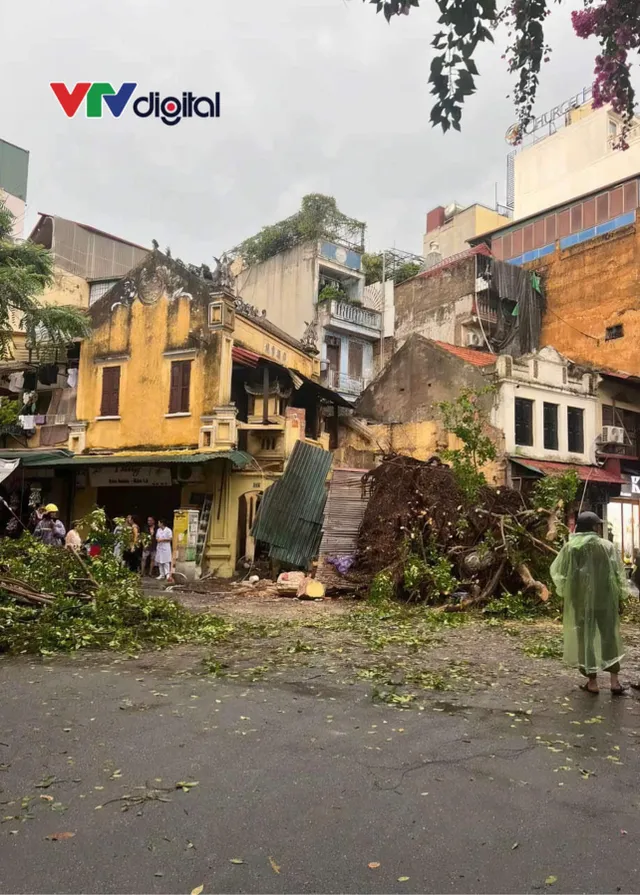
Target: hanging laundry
x,y
28,422
48,374
16,382
30,380
72,377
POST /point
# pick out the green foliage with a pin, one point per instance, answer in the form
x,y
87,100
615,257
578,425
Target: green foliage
x,y
118,617
381,589
372,268
25,271
549,647
552,491
513,606
332,293
464,26
427,574
9,412
466,419
318,217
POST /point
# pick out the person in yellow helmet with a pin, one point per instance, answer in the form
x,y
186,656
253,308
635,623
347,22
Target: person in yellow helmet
x,y
50,529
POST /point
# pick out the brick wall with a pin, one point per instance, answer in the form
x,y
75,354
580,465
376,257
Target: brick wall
x,y
590,287
416,299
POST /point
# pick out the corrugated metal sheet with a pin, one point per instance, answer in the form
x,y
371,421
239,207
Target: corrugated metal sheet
x,y
239,459
290,517
344,512
92,254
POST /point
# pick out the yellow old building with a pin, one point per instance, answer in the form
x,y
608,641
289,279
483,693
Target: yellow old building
x,y
189,403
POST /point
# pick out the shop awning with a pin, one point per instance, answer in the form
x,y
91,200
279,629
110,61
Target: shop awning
x,y
595,474
41,459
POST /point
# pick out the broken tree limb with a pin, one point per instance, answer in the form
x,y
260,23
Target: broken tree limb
x,y
530,583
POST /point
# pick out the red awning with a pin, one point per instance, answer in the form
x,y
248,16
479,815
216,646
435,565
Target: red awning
x,y
242,356
595,474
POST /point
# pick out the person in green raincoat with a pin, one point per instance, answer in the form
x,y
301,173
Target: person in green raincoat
x,y
590,579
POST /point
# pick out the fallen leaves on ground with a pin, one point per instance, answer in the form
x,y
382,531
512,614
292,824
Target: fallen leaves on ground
x,y
551,880
237,861
275,867
56,837
373,865
186,786
197,890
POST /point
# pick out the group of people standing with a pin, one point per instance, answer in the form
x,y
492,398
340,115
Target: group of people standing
x,y
143,549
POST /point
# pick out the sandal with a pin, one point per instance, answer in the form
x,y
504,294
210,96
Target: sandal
x,y
619,691
587,689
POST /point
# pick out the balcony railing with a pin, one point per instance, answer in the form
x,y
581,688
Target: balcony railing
x,y
487,309
346,385
359,316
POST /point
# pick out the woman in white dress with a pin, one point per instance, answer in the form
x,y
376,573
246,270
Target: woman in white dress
x,y
164,536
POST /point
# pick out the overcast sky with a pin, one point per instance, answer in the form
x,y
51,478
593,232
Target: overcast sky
x,y
317,96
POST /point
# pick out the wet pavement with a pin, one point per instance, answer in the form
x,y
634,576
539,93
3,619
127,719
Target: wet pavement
x,y
170,780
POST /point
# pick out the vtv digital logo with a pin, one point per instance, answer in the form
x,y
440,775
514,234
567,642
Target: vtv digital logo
x,y
170,110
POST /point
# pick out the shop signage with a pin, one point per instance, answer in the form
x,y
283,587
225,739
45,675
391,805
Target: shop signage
x,y
631,486
514,133
133,476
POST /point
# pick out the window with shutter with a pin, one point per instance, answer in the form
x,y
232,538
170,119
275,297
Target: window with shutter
x,y
180,386
355,360
575,426
589,214
550,420
576,218
616,202
524,422
538,234
110,404
550,228
631,195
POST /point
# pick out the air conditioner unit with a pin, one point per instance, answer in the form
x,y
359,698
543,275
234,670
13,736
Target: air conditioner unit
x,y
474,340
613,435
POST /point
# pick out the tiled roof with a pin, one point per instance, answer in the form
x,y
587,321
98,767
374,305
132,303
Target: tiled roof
x,y
470,355
586,473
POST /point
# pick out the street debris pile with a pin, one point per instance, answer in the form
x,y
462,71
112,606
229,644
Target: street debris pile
x,y
423,539
52,599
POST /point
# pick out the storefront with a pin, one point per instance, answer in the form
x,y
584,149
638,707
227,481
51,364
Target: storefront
x,y
201,494
623,518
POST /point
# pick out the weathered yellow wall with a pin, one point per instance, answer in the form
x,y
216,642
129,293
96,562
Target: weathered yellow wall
x,y
227,486
67,289
255,339
420,440
140,339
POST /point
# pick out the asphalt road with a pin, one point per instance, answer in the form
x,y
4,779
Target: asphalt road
x,y
305,783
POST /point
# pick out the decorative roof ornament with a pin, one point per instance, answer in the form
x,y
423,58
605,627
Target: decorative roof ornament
x,y
309,338
223,278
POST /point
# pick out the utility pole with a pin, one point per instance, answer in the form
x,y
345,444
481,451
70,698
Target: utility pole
x,y
384,305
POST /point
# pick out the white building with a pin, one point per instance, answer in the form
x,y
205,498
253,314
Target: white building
x,y
546,408
321,282
572,153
